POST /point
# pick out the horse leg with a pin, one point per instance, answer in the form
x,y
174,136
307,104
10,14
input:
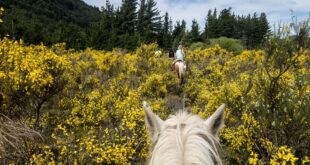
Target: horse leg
x,y
183,80
176,68
180,78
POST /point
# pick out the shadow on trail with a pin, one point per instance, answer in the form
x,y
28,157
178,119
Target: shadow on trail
x,y
176,100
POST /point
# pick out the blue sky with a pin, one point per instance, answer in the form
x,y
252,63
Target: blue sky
x,y
278,11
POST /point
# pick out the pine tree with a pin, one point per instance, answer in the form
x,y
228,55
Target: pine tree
x,y
183,26
206,33
239,27
141,17
181,37
141,22
102,33
153,21
212,22
176,34
127,20
194,33
256,34
226,22
263,26
248,36
166,35
128,16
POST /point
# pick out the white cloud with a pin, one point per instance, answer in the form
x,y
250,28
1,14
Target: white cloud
x,y
276,10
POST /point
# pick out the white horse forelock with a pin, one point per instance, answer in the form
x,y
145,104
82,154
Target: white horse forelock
x,y
185,139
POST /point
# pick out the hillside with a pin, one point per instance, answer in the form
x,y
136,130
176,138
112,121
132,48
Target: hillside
x,y
127,26
48,21
73,106
87,105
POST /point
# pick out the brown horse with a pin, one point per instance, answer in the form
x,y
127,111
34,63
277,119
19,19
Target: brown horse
x,y
179,67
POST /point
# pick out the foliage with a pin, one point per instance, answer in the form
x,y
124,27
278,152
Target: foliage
x,y
197,45
131,24
229,44
1,13
97,116
251,29
48,21
179,31
166,32
29,76
267,93
195,35
87,104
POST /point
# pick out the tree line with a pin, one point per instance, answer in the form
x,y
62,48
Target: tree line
x,y
132,23
250,29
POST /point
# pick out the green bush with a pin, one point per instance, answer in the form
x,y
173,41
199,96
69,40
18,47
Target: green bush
x,y
232,45
197,45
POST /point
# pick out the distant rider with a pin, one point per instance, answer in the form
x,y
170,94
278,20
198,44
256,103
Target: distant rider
x,y
179,55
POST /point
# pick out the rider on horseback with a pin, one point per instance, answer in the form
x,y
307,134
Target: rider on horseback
x,y
179,55
179,64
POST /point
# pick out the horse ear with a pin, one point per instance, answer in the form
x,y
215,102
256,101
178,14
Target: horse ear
x,y
152,121
216,121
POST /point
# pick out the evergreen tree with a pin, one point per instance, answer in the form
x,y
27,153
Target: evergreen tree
x,y
82,26
206,32
103,32
263,26
226,22
166,36
183,26
239,27
128,16
250,29
48,22
179,34
127,21
256,36
176,34
248,36
212,22
141,22
194,33
153,21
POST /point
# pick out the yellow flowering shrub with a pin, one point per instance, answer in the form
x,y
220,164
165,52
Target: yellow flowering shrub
x,y
101,118
1,12
261,95
284,155
29,76
91,112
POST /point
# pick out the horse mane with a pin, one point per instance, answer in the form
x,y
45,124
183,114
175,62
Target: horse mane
x,y
185,139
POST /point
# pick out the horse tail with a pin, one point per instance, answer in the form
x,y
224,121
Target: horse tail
x,y
181,67
181,72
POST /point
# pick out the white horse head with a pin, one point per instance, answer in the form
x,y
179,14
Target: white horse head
x,y
184,139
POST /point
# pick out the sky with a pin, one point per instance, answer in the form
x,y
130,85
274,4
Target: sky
x,y
278,11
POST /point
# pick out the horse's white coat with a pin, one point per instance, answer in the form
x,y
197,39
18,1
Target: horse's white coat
x,y
180,68
184,139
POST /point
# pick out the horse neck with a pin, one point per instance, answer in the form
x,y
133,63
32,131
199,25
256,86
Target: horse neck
x,y
182,142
